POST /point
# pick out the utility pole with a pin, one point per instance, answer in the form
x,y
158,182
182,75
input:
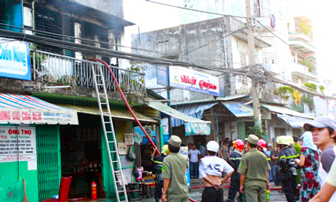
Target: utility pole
x,y
252,63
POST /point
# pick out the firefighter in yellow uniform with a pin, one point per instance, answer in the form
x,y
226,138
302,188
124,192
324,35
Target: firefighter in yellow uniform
x,y
254,172
175,187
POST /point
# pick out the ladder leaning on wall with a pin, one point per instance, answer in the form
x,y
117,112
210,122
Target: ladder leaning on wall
x,y
109,134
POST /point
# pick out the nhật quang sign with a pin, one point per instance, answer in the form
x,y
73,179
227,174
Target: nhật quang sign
x,y
188,79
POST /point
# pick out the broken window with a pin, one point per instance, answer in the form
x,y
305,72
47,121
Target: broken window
x,y
48,23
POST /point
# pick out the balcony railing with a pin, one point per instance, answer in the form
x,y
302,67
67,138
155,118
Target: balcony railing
x,y
59,69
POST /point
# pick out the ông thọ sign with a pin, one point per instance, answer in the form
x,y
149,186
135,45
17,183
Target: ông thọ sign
x,y
188,79
15,60
17,144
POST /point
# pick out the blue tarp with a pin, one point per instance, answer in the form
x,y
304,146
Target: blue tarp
x,y
194,110
239,109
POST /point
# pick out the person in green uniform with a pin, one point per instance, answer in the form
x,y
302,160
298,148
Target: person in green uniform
x,y
254,172
175,187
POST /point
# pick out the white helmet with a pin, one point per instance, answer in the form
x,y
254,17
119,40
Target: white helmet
x,y
212,146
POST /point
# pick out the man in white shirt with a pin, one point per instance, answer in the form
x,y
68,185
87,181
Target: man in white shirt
x,y
194,156
211,169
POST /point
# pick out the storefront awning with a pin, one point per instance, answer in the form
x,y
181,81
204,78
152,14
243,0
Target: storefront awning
x,y
239,109
193,126
116,113
25,109
193,110
293,121
284,110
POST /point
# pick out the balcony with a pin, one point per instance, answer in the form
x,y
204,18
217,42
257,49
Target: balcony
x,y
71,78
301,43
301,71
270,63
63,71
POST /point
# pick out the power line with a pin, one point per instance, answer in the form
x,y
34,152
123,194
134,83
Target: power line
x,y
110,53
189,9
284,41
206,12
238,30
146,50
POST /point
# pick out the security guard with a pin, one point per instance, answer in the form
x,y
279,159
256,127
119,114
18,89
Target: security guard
x,y
158,163
254,172
175,187
235,158
287,166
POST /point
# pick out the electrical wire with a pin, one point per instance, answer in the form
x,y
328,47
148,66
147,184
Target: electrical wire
x,y
110,53
189,9
238,30
206,12
286,42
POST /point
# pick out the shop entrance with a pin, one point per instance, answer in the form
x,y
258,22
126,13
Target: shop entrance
x,y
81,155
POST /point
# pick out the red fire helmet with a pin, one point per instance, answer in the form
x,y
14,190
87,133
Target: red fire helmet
x,y
239,144
262,143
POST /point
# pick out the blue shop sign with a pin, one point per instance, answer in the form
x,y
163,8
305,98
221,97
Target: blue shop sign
x,y
15,60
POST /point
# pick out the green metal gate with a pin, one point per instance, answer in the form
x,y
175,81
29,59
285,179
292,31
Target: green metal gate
x,y
48,160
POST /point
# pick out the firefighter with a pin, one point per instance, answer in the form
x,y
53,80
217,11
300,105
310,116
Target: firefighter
x,y
262,147
235,158
287,166
291,143
157,160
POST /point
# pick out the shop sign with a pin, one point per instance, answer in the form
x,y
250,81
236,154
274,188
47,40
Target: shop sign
x,y
122,148
129,138
15,60
188,79
36,116
18,144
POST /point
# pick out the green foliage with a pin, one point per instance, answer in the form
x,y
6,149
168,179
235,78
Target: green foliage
x,y
321,89
311,86
67,80
306,29
256,130
137,67
308,63
286,92
308,100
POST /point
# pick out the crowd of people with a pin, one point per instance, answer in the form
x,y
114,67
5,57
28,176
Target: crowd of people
x,y
304,166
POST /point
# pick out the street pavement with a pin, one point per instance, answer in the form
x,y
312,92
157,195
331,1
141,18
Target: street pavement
x,y
196,193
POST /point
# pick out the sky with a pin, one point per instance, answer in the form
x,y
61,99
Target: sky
x,y
324,34
148,17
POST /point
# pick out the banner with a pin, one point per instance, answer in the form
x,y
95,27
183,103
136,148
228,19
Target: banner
x,y
197,129
30,116
189,79
15,60
18,144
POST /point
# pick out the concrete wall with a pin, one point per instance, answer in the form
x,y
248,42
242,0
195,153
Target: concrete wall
x,y
278,123
113,7
204,43
27,87
231,130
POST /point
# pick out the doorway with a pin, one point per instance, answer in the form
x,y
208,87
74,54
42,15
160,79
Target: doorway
x,y
81,155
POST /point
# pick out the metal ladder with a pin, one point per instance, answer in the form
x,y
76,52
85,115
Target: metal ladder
x,y
110,138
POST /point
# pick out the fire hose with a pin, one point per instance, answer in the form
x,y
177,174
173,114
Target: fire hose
x,y
129,107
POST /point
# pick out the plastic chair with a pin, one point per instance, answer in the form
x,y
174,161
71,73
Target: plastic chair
x,y
63,191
